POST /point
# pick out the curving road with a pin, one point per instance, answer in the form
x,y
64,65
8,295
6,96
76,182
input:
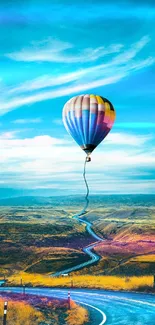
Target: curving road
x,y
87,250
89,228
106,307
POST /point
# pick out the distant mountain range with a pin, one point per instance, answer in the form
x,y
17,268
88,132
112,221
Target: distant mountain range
x,y
6,192
78,200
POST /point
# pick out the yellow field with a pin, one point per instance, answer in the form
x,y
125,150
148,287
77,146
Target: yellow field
x,y
144,258
20,313
83,281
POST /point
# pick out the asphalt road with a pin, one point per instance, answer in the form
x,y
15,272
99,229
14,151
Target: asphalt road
x,y
106,307
88,250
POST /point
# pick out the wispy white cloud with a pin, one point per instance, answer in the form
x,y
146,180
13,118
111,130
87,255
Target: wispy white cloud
x,y
54,86
117,62
47,81
8,135
43,162
55,51
135,125
126,139
30,99
57,121
135,48
27,121
8,140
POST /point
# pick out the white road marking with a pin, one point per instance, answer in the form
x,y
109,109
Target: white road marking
x,y
99,310
84,303
112,297
100,297
118,298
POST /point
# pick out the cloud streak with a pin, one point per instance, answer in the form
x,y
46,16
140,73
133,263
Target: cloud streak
x,y
30,99
49,87
55,51
27,121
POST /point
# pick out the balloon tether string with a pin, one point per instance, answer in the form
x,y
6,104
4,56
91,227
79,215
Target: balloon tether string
x,y
84,210
87,187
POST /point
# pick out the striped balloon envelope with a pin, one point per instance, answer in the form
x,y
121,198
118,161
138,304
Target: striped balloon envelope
x,y
88,119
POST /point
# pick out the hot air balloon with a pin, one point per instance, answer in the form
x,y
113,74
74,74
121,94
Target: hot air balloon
x,y
88,119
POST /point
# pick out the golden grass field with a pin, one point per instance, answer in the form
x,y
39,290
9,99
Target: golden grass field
x,y
84,281
144,258
20,313
77,315
56,312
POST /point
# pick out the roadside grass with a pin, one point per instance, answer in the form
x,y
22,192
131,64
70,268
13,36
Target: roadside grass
x,y
25,309
20,313
131,283
77,315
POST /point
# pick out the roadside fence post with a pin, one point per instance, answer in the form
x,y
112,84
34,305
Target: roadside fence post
x,y
69,300
5,312
23,289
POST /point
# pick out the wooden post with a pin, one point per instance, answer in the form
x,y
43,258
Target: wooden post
x,y
23,289
5,312
71,283
69,300
21,282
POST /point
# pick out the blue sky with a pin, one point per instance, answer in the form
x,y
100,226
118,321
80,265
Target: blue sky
x,y
53,50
